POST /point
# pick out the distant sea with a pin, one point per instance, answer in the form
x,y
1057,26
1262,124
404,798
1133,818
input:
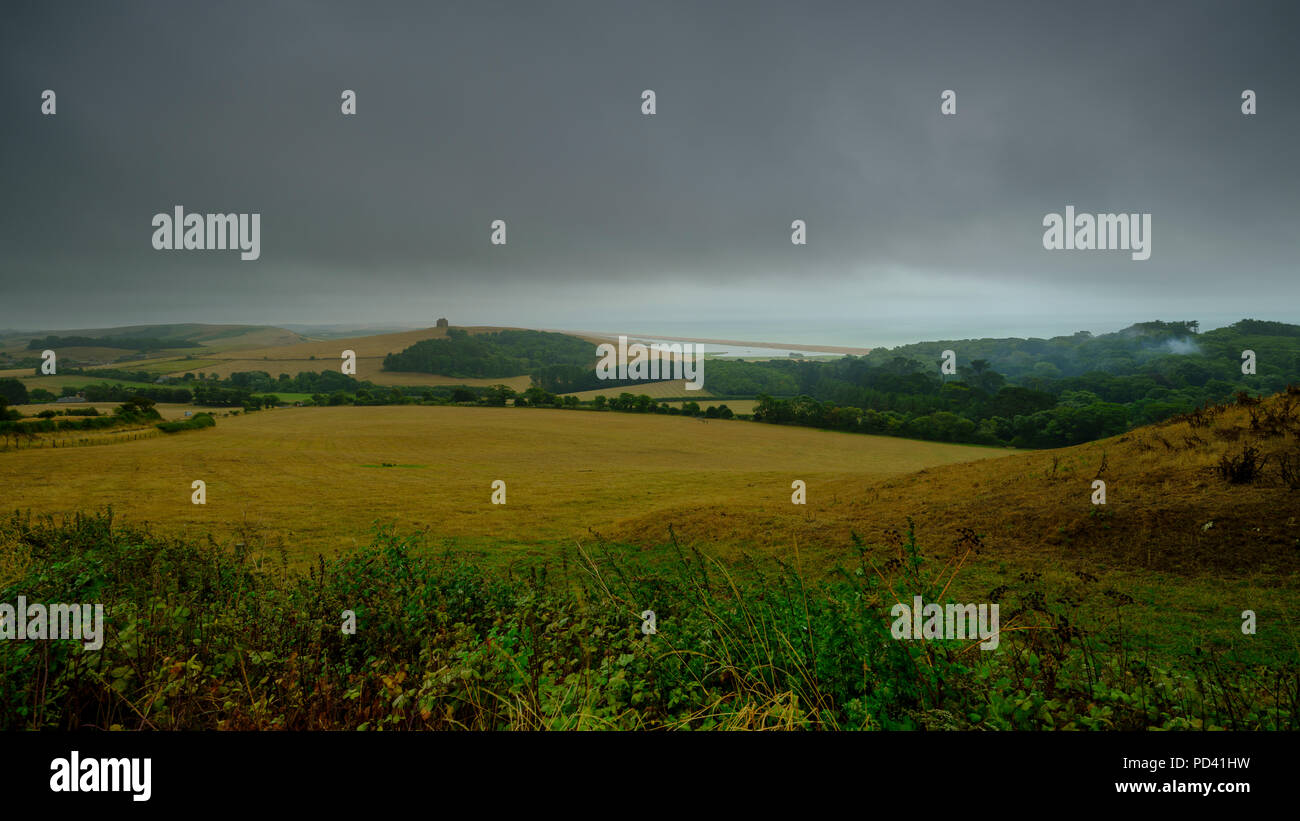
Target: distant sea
x,y
894,332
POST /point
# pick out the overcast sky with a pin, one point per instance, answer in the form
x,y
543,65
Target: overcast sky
x,y
767,112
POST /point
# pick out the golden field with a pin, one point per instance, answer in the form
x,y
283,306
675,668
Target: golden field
x,y
1161,484
1191,549
314,477
1188,547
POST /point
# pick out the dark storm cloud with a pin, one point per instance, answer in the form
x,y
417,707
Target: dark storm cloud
x,y
767,112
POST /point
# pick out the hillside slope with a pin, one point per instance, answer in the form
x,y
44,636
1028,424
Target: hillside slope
x,y
210,337
321,476
1167,507
318,355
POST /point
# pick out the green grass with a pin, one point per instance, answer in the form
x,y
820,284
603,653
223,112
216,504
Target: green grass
x,y
202,637
1170,616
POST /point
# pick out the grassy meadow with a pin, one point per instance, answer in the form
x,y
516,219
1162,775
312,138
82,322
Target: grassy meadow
x,y
772,615
316,478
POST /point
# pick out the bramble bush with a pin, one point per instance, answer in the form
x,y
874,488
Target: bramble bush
x,y
198,636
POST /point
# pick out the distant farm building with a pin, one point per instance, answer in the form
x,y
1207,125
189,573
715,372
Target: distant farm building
x,y
77,398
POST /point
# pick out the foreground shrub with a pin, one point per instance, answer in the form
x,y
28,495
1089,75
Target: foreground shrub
x,y
198,421
200,637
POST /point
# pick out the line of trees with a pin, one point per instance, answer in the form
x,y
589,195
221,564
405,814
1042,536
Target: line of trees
x,y
134,411
122,393
1057,426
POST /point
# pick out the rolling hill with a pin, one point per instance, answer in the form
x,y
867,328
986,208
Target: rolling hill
x,y
318,355
316,477
227,349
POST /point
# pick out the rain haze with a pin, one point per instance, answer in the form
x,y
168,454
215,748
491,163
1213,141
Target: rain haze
x,y
920,225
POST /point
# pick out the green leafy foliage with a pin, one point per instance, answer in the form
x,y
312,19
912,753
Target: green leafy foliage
x,y
196,422
203,637
504,353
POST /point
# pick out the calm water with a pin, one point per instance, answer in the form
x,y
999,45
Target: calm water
x,y
894,332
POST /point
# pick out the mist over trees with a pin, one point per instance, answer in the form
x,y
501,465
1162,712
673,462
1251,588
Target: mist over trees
x,y
1022,392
